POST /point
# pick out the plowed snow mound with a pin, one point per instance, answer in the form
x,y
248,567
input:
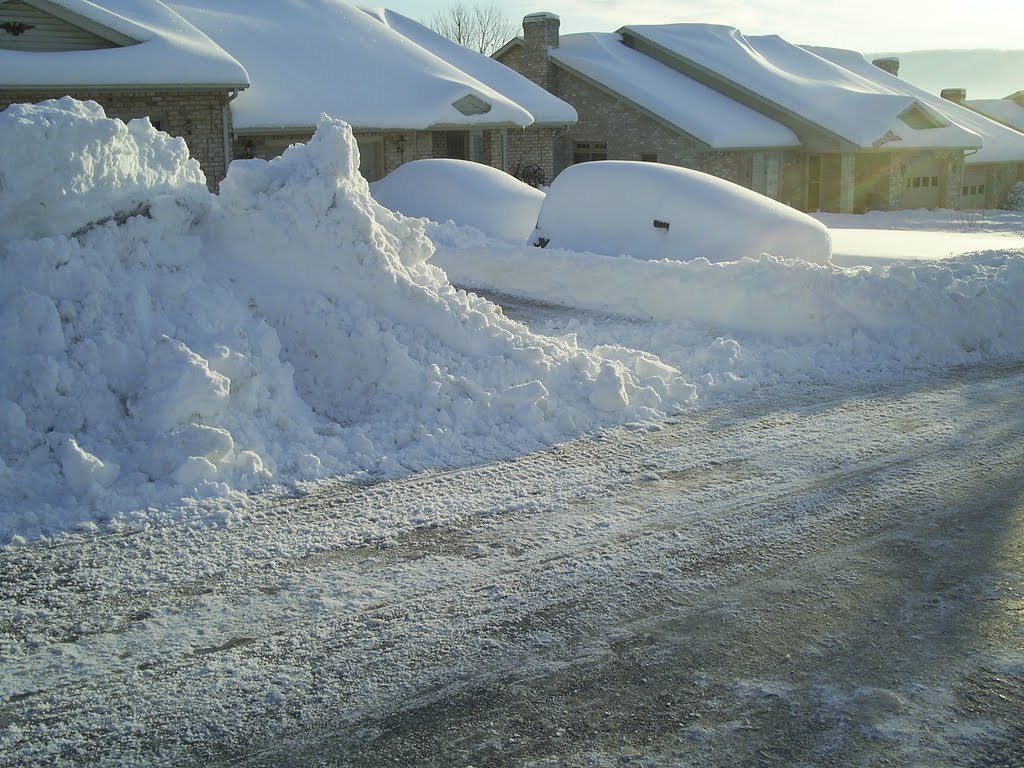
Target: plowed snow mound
x,y
161,343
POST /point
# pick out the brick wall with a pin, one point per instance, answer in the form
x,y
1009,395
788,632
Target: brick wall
x,y
628,132
531,147
196,116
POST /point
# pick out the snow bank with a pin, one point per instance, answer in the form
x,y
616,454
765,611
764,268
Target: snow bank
x,y
470,194
161,344
654,211
909,314
90,169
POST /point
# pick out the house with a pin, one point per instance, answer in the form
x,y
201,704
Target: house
x,y
136,58
829,139
526,152
1008,110
407,92
631,107
991,170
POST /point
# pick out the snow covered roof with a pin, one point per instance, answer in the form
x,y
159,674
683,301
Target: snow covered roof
x,y
308,57
702,112
1001,144
545,107
768,70
152,45
1005,111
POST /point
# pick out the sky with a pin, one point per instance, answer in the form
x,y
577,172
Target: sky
x,y
866,25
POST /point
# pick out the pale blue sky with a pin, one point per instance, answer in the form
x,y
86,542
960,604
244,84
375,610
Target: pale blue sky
x,y
864,25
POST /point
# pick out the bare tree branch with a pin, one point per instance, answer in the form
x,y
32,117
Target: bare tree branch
x,y
484,28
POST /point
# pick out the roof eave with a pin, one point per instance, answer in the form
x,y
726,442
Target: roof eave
x,y
125,86
513,43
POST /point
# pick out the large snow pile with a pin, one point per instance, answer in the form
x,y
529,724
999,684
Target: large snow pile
x,y
90,169
470,194
160,343
654,211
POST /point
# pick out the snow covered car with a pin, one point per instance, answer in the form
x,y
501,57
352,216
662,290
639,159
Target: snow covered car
x,y
652,211
468,193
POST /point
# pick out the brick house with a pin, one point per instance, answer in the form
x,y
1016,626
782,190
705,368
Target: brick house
x,y
407,92
136,58
859,145
988,172
633,108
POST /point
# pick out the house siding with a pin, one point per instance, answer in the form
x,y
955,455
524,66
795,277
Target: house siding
x,y
196,116
46,32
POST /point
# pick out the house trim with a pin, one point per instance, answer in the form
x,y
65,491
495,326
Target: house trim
x,y
82,22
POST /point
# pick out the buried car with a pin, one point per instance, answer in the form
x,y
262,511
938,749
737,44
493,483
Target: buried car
x,y
467,193
652,211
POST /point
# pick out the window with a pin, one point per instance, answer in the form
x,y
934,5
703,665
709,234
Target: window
x,y
915,182
590,150
649,157
973,189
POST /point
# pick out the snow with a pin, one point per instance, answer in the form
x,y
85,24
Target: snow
x,y
170,51
611,207
766,67
711,117
168,352
287,330
485,198
307,57
90,171
871,247
1000,144
1005,111
546,108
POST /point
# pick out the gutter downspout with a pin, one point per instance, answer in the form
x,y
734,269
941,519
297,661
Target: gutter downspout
x,y
225,114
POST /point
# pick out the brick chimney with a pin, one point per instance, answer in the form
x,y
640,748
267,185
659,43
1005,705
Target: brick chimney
x,y
540,34
956,95
890,64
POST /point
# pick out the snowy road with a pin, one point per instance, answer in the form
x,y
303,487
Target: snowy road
x,y
829,578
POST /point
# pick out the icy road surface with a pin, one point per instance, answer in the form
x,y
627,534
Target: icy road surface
x,y
833,577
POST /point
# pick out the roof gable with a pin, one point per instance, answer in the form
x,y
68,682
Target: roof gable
x,y
121,43
39,25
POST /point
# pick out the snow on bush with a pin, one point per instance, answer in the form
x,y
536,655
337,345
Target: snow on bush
x,y
160,343
1015,197
653,211
469,194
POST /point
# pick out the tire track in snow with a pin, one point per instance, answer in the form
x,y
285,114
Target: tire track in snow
x,y
514,575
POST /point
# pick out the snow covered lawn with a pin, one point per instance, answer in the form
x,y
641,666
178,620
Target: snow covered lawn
x,y
878,237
